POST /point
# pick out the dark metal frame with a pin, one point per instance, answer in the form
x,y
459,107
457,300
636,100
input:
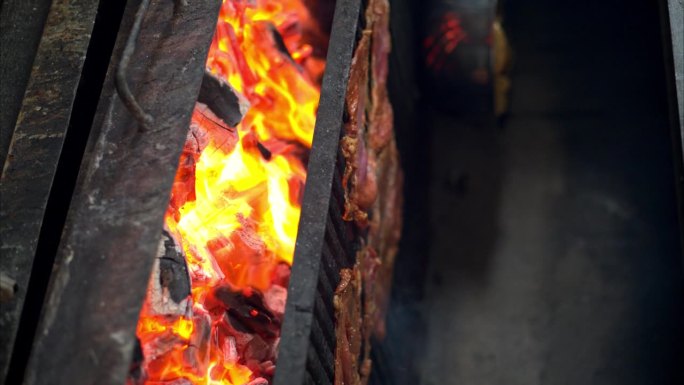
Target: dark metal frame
x,y
86,333
35,148
21,27
324,241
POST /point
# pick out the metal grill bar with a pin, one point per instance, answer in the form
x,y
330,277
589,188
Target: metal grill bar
x,y
340,251
327,283
315,368
307,336
114,223
319,341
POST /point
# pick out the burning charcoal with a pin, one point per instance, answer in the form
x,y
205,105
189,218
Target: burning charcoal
x,y
274,349
198,137
136,371
243,254
241,338
246,309
281,275
258,381
264,151
173,271
257,349
254,366
278,40
178,381
160,346
203,117
237,324
268,368
233,325
206,127
222,99
168,292
275,298
196,355
230,352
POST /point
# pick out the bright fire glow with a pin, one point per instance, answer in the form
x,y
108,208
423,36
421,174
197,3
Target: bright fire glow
x,y
236,218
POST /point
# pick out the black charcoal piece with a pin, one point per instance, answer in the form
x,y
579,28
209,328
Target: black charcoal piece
x,y
264,151
173,271
280,43
249,310
222,99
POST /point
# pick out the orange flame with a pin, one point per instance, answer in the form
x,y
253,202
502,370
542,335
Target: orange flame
x,y
233,210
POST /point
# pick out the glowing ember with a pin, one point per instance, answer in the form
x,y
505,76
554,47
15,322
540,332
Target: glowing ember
x,y
235,203
442,42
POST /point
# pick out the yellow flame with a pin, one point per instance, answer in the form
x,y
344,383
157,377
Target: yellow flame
x,y
237,220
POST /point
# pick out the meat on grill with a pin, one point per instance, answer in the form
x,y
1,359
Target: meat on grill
x,y
373,199
347,303
381,117
385,229
357,181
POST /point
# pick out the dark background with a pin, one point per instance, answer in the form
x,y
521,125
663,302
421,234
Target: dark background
x,y
552,254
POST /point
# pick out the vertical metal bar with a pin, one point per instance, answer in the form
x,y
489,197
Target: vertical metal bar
x,y
295,335
21,27
35,147
115,219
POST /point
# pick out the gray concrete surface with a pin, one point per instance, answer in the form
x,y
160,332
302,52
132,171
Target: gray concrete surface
x,y
554,252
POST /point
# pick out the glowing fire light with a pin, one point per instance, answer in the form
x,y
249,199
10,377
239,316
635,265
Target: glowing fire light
x,y
236,218
444,40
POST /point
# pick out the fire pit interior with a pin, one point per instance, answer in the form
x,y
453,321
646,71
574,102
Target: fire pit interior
x,y
338,192
216,301
272,260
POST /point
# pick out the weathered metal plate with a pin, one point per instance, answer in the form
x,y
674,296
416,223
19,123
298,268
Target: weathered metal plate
x,y
35,148
115,220
21,26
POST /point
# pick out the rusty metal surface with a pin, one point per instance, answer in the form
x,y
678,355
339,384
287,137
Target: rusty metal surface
x,y
115,220
31,163
21,26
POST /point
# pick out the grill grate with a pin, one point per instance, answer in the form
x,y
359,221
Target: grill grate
x,y
325,243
